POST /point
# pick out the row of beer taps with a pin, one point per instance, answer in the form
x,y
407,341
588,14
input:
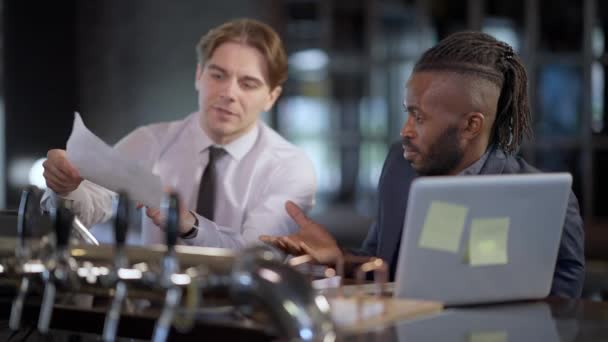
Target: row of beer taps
x,y
257,278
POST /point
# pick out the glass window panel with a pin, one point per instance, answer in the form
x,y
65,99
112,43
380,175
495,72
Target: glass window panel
x,y
400,34
597,97
371,159
504,30
373,117
326,159
374,112
559,100
598,40
308,65
302,116
399,74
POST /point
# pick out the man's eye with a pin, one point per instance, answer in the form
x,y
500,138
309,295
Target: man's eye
x,y
416,116
250,85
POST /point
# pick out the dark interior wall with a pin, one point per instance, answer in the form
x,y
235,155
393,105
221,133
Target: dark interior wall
x,y
40,78
120,63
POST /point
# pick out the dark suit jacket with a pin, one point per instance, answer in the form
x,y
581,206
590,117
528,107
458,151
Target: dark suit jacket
x,y
384,236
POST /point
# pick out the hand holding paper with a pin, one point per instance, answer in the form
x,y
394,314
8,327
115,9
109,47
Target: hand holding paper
x,y
60,175
105,166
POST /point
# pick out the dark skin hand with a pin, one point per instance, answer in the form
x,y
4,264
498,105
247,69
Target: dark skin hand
x,y
312,239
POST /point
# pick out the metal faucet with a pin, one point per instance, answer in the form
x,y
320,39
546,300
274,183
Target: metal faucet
x,y
23,265
169,270
259,277
256,278
60,270
121,222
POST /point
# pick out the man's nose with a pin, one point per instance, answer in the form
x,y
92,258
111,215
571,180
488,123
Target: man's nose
x,y
408,130
230,89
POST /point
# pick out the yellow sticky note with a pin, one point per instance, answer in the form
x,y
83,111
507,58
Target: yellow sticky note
x,y
488,241
443,226
488,336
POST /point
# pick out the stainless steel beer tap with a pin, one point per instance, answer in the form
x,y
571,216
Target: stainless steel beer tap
x,y
23,265
60,268
260,278
121,222
169,278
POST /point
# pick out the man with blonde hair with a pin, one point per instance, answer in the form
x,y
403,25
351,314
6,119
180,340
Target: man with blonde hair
x,y
232,171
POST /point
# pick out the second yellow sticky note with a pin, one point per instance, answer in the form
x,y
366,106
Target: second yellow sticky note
x,y
488,241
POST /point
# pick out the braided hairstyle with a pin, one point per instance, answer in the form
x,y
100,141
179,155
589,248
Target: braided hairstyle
x,y
481,55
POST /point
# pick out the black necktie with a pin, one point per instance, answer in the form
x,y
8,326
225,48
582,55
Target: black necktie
x,y
206,191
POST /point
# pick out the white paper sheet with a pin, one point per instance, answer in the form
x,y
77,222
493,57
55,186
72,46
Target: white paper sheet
x,y
102,165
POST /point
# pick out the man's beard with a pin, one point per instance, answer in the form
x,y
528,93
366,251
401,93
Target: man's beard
x,y
442,157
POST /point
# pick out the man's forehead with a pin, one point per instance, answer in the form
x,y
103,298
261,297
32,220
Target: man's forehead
x,y
437,88
240,58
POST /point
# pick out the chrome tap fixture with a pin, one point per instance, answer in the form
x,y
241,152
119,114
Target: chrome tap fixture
x,y
236,287
169,276
121,223
61,269
23,264
260,278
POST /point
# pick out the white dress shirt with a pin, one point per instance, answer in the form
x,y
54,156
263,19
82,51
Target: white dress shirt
x,y
257,175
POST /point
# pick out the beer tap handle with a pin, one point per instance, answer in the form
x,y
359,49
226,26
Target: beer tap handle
x,y
121,223
22,220
28,221
163,324
46,308
171,207
17,307
22,254
170,266
63,219
62,222
110,328
122,211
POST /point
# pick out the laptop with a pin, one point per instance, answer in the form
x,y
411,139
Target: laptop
x,y
482,239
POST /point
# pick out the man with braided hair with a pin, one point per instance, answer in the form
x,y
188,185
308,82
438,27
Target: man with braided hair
x,y
468,113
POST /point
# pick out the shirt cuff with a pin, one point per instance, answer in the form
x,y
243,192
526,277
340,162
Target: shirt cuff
x,y
49,199
193,232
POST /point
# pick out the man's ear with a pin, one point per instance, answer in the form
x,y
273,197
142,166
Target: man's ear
x,y
472,125
198,75
272,97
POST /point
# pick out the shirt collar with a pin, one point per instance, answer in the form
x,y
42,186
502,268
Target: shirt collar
x,y
475,168
237,148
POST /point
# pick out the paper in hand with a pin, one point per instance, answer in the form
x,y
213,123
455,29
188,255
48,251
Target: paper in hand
x,y
101,164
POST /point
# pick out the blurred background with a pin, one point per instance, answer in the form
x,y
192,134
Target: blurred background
x,y
122,64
